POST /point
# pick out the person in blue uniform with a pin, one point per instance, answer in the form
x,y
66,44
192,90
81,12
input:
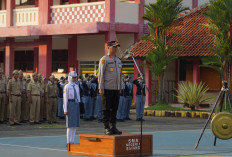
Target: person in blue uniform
x,y
71,107
139,101
87,98
129,95
60,85
122,103
93,94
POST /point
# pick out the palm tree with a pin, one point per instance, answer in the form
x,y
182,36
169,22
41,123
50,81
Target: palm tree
x,y
160,17
219,17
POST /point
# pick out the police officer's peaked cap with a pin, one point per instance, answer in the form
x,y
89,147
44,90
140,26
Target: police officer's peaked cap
x,y
113,43
15,72
81,77
20,72
73,74
35,74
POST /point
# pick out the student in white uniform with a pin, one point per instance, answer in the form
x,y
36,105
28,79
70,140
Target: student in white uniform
x,y
71,106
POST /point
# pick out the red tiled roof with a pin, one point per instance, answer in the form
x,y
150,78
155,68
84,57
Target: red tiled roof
x,y
194,38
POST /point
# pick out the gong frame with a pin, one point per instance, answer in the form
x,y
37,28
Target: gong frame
x,y
223,96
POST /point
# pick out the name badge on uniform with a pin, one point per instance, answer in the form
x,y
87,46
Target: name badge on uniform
x,y
111,69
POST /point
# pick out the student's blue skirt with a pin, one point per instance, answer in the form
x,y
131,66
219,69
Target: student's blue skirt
x,y
73,117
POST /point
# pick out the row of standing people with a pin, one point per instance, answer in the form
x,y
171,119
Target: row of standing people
x,y
25,99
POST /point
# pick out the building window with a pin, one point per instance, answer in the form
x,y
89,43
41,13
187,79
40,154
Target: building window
x,y
60,61
1,57
24,60
24,2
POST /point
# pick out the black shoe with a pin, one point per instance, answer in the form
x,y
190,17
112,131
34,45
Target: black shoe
x,y
49,122
116,131
99,120
138,119
37,123
17,124
128,119
108,131
23,121
1,122
120,120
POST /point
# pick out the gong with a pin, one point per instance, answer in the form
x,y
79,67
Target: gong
x,y
221,125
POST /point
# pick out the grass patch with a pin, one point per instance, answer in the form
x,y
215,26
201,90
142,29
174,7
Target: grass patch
x,y
165,106
50,126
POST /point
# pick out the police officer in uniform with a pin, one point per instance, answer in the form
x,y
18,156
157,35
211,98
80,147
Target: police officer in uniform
x,y
2,96
42,99
14,90
51,98
34,93
110,86
27,105
23,97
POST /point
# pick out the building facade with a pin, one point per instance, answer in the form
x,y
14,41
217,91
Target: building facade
x,y
57,36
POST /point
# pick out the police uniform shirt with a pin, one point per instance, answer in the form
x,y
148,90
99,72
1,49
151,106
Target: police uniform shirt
x,y
109,76
69,94
34,88
2,85
14,86
52,90
23,84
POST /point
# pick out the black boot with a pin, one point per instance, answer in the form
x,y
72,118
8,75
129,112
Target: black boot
x,y
115,130
108,131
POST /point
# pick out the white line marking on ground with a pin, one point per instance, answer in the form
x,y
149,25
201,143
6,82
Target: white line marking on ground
x,y
32,147
174,131
32,137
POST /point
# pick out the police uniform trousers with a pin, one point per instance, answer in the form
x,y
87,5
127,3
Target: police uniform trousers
x,y
27,110
35,108
15,109
121,107
42,106
110,102
2,105
60,110
139,110
99,107
73,117
52,108
7,109
23,105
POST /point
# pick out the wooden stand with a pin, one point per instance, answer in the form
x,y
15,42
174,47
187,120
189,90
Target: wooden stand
x,y
125,145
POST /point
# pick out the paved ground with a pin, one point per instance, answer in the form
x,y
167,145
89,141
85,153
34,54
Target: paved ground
x,y
171,137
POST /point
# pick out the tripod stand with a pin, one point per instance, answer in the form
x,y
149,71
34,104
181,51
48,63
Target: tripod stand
x,y
223,97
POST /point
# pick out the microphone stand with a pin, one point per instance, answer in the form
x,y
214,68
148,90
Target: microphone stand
x,y
141,106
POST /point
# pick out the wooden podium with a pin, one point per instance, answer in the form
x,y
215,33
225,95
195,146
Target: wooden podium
x,y
99,145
